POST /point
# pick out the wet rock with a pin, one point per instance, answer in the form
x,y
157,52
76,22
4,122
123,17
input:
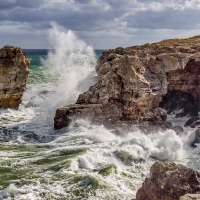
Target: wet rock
x,y
194,138
169,181
191,120
195,124
14,70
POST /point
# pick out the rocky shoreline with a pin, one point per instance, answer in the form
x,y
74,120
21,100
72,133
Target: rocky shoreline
x,y
137,87
140,85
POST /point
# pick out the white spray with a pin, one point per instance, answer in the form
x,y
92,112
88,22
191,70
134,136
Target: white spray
x,y
72,64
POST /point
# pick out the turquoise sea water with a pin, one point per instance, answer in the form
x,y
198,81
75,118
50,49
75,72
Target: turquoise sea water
x,y
86,162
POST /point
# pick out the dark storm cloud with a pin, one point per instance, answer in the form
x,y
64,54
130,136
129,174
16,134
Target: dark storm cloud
x,y
94,15
104,19
72,17
166,19
10,4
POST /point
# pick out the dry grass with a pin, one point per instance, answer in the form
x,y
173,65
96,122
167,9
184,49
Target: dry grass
x,y
194,40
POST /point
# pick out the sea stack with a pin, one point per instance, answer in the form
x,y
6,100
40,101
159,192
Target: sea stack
x,y
14,70
140,85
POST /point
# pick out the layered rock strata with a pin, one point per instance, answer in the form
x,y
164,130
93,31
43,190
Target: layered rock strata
x,y
169,181
14,70
136,83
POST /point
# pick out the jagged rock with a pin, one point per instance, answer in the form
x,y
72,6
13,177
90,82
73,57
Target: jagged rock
x,y
14,70
191,121
132,82
169,181
190,197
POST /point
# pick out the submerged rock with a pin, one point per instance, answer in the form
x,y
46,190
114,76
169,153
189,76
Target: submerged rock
x,y
136,83
169,181
14,70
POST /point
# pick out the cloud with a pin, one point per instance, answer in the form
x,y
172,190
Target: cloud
x,y
102,20
11,4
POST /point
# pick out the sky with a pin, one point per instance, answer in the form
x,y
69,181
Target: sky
x,y
103,24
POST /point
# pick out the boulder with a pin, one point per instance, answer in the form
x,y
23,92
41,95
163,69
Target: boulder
x,y
169,181
138,83
191,121
190,197
14,70
194,138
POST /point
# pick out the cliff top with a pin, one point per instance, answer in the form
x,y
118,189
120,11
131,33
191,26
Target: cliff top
x,y
10,51
195,40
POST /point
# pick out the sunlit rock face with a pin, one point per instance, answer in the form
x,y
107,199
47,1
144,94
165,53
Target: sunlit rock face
x,y
169,181
136,83
14,70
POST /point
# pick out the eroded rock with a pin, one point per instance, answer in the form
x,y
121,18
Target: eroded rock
x,y
14,70
169,181
136,83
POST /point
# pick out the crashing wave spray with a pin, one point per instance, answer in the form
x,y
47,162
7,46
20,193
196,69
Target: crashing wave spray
x,y
72,64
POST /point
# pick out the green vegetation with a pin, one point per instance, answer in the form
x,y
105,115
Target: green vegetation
x,y
107,170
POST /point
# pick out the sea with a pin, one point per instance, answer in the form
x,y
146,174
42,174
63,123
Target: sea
x,y
86,162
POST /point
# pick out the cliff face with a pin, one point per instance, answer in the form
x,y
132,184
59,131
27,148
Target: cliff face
x,y
14,70
136,83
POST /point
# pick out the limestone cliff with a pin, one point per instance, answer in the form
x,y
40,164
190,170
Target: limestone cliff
x,y
14,70
136,83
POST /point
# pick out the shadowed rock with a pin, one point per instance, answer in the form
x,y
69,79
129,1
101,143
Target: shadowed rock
x,y
191,121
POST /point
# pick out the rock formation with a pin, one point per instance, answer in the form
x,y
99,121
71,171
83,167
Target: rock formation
x,y
14,70
136,83
190,197
169,181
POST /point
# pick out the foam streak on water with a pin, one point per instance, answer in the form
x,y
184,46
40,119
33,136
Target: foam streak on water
x,y
84,162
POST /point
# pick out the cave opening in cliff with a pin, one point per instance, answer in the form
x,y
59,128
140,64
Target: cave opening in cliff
x,y
182,98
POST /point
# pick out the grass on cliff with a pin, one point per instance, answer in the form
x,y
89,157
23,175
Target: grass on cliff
x,y
195,40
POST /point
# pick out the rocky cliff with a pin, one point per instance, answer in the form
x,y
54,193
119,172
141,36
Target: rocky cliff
x,y
14,70
140,84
